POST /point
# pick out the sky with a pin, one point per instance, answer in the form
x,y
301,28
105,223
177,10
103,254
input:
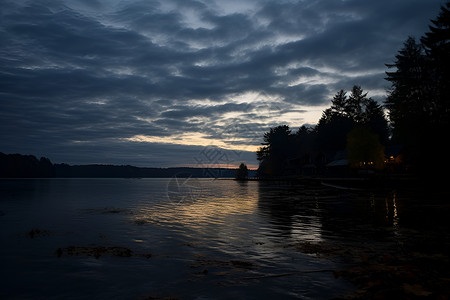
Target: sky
x,y
186,82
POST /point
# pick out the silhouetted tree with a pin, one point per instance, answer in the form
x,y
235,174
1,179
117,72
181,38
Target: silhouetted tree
x,y
275,151
433,150
436,43
407,98
339,103
355,102
281,148
419,100
25,166
303,141
303,131
338,129
332,130
345,114
242,172
45,168
418,104
303,145
375,120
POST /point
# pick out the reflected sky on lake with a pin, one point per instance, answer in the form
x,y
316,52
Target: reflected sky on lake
x,y
206,244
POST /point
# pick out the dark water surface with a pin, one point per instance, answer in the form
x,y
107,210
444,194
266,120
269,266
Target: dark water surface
x,y
196,239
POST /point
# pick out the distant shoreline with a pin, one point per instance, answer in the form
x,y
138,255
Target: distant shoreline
x,y
28,166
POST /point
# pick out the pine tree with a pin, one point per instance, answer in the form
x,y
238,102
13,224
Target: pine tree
x,y
437,47
277,148
408,93
375,120
339,103
355,103
419,101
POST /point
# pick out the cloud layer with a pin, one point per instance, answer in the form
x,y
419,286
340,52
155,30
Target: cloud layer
x,y
152,83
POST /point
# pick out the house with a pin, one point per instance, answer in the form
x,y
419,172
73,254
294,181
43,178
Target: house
x,y
339,166
309,164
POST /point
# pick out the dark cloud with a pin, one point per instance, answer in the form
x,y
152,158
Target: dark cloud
x,y
183,112
79,81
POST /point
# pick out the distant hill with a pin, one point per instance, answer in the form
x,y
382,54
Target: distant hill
x,y
112,171
28,166
25,166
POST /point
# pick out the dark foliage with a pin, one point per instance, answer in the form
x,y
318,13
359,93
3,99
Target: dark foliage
x,y
419,114
28,166
242,172
25,166
309,149
276,150
111,171
419,99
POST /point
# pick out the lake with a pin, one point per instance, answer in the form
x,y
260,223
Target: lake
x,y
187,238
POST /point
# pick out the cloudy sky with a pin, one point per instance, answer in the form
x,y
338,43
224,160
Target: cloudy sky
x,y
185,82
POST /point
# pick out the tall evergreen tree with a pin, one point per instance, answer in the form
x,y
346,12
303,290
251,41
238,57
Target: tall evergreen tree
x,y
407,97
332,130
375,120
437,47
419,101
277,148
345,114
339,103
355,103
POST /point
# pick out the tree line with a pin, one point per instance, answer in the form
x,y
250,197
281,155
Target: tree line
x,y
419,100
354,122
28,166
25,166
355,125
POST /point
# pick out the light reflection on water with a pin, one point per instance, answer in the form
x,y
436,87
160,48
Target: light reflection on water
x,y
202,246
217,213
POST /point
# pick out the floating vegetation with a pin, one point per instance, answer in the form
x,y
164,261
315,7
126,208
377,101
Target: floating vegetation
x,y
147,220
241,263
99,251
194,244
141,221
94,251
203,262
38,232
381,271
152,297
226,272
106,210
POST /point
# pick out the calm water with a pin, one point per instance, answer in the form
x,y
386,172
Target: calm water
x,y
195,239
